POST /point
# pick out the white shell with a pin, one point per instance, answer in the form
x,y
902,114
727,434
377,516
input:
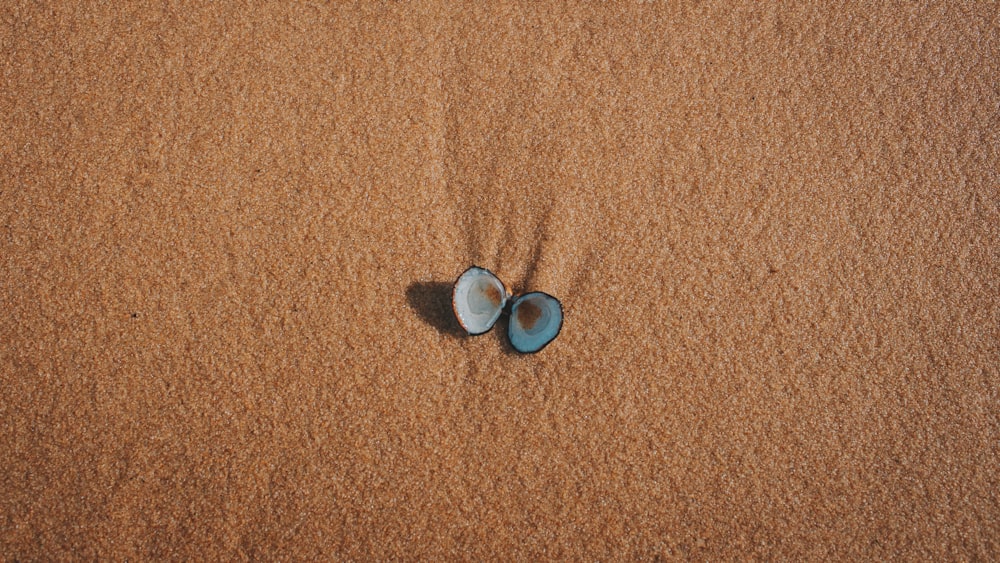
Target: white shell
x,y
535,320
478,299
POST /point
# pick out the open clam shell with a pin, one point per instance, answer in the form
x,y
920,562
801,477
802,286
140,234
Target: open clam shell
x,y
535,320
478,300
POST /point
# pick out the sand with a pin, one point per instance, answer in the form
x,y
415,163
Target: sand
x,y
228,235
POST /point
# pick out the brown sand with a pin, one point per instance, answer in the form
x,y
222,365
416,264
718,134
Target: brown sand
x,y
228,237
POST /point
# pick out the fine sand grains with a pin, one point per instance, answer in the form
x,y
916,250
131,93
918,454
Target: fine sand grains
x,y
228,237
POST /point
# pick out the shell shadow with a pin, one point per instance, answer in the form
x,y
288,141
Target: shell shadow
x,y
432,303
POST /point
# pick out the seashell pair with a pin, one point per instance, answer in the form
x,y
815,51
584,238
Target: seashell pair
x,y
479,297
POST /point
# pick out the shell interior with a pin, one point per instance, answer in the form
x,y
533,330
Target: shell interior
x,y
478,299
535,320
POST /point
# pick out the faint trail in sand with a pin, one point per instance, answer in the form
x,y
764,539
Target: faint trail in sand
x,y
446,212
526,205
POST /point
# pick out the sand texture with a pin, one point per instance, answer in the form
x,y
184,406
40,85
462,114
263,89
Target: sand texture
x,y
228,234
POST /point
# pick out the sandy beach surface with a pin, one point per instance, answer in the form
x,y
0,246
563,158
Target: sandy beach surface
x,y
228,235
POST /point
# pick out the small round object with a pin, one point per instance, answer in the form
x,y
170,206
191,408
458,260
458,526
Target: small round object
x,y
535,320
478,298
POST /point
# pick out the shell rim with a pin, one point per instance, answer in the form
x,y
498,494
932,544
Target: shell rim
x,y
562,318
454,307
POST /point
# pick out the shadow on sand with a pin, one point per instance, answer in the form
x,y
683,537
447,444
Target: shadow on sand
x,y
432,302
